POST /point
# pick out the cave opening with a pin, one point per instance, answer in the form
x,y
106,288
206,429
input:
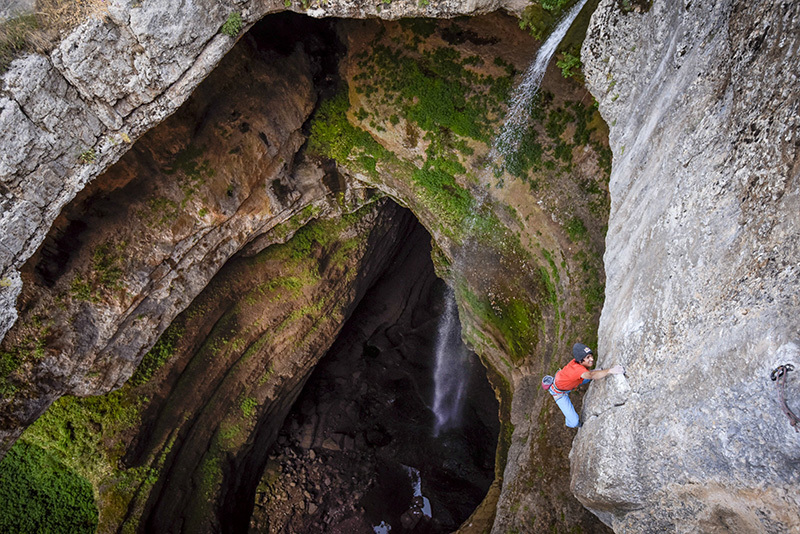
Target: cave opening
x,y
359,449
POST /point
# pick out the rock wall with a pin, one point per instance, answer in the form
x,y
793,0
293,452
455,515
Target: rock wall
x,y
702,269
133,250
67,117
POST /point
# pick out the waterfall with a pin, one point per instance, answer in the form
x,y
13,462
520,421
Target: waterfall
x,y
451,371
516,119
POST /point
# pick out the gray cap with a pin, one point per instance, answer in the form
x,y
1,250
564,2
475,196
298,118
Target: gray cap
x,y
579,351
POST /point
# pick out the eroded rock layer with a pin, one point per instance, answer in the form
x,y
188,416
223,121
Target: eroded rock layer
x,y
702,269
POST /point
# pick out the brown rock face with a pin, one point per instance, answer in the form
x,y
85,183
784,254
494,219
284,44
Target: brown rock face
x,y
136,247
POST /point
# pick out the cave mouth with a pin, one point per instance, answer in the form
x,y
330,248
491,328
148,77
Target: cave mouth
x,y
359,450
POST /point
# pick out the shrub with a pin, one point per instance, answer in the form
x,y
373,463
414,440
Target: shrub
x,y
87,156
570,65
38,494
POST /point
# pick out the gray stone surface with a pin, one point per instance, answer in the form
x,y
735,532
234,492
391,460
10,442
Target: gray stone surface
x,y
14,8
702,265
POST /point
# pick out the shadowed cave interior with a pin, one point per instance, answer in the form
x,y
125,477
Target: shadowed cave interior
x,y
364,424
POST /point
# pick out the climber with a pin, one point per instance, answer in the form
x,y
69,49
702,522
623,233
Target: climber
x,y
576,372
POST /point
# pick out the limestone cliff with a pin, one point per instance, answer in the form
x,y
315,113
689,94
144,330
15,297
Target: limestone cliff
x,y
702,269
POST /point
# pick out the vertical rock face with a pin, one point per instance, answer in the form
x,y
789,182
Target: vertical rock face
x,y
702,266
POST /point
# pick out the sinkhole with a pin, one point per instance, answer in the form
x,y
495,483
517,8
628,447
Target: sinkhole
x,y
296,381
363,449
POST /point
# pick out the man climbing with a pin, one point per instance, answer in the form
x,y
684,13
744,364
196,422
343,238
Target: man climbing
x,y
576,372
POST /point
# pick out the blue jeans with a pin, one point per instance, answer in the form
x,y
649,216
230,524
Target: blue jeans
x,y
568,409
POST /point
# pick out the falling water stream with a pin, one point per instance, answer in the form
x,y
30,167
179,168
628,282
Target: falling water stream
x,y
507,141
450,374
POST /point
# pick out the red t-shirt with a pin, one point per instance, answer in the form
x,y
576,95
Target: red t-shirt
x,y
569,377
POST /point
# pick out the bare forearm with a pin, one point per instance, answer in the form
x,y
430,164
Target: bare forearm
x,y
602,373
597,373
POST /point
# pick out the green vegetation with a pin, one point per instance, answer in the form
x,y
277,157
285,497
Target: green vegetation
x,y
39,494
157,356
295,221
570,65
192,174
541,16
88,436
233,25
517,318
15,37
248,406
436,89
73,431
161,212
30,347
42,30
334,137
87,156
576,230
105,274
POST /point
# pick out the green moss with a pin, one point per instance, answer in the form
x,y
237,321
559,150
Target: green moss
x,y
293,223
267,375
39,494
334,137
248,406
157,356
210,474
233,25
515,317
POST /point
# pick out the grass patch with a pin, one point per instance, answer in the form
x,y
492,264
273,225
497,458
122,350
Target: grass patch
x,y
40,31
39,494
